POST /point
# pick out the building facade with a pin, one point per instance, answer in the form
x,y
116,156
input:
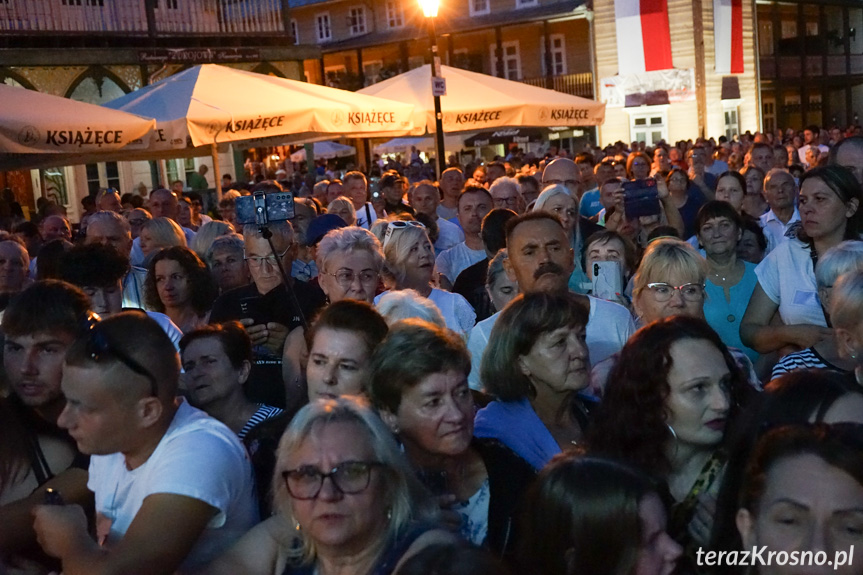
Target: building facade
x,y
97,50
811,60
690,98
541,42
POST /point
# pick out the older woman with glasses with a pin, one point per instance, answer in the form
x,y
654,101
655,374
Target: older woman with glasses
x,y
348,502
410,264
350,261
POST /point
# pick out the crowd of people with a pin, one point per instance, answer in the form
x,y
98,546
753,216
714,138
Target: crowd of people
x,y
633,361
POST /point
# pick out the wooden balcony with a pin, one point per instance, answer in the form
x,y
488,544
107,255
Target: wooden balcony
x,y
143,17
574,84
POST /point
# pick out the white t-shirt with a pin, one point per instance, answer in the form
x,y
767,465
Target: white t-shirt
x,y
449,235
609,325
774,230
788,278
198,457
362,217
457,259
169,327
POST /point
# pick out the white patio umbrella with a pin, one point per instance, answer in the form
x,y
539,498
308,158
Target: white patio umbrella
x,y
210,104
478,102
325,150
403,145
42,124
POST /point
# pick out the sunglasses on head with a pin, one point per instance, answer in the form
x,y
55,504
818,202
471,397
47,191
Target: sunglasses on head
x,y
399,225
99,348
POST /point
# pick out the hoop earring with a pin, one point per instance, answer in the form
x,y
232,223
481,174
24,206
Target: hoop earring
x,y
673,433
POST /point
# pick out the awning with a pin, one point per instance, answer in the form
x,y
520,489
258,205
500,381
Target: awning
x,y
505,136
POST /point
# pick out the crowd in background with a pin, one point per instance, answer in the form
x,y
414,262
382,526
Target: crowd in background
x,y
622,360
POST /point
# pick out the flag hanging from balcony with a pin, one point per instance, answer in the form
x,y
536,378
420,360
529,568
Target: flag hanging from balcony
x,y
643,36
728,31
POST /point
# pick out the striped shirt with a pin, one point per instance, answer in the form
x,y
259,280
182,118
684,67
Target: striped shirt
x,y
263,413
806,359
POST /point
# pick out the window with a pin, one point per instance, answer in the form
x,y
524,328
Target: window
x,y
357,20
765,38
84,2
415,62
511,60
102,175
768,114
789,28
395,14
478,7
649,126
322,27
732,120
558,55
525,3
295,32
372,71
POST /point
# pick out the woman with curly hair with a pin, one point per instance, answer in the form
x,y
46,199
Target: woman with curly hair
x,y
180,286
666,409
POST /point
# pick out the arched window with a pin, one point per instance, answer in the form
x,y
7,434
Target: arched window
x,y
97,86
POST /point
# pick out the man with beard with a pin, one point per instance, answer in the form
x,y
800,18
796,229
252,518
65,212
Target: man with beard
x,y
540,260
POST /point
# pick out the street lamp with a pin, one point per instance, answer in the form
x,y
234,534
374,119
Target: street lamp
x,y
430,9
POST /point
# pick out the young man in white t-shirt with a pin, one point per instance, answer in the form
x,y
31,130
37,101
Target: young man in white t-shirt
x,y
173,486
473,205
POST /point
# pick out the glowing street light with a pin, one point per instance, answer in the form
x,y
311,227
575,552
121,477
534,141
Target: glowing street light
x,y
430,10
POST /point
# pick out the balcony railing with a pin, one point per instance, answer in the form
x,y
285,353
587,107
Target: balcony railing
x,y
140,17
574,84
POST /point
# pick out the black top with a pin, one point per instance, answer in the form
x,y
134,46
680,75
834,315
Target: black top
x,y
470,284
265,383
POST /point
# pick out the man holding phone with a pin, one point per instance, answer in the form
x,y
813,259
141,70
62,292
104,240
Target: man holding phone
x,y
268,311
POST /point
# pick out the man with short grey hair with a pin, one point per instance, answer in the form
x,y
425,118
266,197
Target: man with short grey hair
x,y
504,192
112,229
268,310
782,220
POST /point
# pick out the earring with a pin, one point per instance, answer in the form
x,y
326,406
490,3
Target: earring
x,y
673,433
389,514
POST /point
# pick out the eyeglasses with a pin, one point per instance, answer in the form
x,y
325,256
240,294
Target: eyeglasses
x,y
513,201
345,278
137,222
399,225
348,477
98,347
258,261
662,292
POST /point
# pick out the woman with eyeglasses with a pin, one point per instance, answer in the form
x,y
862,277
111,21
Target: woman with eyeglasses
x,y
347,501
180,286
802,498
410,261
830,212
349,261
666,409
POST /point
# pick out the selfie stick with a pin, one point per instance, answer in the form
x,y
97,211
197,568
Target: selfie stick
x,y
264,228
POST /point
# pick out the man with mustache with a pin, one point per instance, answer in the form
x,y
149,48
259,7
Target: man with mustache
x,y
541,260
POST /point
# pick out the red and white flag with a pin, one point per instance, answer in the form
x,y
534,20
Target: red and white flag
x,y
728,33
643,36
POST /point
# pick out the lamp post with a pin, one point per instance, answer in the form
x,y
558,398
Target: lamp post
x,y
430,9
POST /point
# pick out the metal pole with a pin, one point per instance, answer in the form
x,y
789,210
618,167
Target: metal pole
x,y
438,116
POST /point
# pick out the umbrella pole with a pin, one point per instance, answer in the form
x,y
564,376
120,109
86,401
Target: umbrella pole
x,y
214,150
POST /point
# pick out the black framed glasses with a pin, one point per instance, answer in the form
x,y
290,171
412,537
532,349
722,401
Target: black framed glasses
x,y
98,348
348,477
